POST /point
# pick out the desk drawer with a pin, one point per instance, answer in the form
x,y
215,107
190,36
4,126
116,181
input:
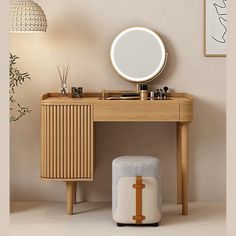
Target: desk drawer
x,y
136,111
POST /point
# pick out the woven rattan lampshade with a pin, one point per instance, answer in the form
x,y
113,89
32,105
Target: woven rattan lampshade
x,y
27,16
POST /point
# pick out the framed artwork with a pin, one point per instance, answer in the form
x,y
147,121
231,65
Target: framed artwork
x,y
215,24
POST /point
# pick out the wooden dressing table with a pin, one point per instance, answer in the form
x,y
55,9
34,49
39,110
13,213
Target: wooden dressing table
x,y
67,135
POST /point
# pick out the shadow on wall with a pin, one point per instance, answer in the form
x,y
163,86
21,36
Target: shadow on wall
x,y
165,76
71,27
73,39
205,133
118,139
76,35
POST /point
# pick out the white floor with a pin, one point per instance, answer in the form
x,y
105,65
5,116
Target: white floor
x,y
44,219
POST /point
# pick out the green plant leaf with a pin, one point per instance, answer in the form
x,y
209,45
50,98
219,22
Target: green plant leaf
x,y
16,79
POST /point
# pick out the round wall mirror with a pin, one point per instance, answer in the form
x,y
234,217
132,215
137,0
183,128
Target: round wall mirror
x,y
138,54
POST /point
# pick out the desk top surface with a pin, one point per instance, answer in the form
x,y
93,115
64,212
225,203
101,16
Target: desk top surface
x,y
95,98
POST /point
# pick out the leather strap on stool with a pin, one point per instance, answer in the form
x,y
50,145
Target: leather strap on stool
x,y
139,186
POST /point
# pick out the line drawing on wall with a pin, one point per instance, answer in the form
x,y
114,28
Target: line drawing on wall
x,y
215,27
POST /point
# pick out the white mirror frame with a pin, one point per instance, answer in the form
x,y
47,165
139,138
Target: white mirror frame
x,y
158,70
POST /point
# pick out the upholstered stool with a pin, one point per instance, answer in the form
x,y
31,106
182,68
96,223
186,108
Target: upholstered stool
x,y
136,197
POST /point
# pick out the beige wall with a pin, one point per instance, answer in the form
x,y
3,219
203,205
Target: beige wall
x,y
231,117
80,33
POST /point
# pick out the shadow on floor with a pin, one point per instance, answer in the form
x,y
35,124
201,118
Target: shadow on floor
x,y
197,213
171,213
85,207
16,207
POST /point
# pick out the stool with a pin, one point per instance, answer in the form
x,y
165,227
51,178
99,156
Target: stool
x,y
136,198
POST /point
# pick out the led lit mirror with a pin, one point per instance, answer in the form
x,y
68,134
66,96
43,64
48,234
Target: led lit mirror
x,y
138,54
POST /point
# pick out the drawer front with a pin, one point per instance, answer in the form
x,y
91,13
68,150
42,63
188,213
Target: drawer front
x,y
142,111
67,142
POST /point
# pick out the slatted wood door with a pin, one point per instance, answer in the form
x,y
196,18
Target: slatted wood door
x,y
67,142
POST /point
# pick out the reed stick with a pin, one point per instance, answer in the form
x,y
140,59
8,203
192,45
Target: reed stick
x,y
58,69
67,72
64,73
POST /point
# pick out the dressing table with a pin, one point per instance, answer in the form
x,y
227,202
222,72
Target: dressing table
x,y
67,124
67,135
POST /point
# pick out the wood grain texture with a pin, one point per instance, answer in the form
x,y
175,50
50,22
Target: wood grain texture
x,y
179,161
184,166
186,111
82,142
66,142
42,135
136,111
70,196
74,192
47,142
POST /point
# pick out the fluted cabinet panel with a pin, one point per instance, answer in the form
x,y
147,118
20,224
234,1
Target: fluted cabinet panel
x,y
67,142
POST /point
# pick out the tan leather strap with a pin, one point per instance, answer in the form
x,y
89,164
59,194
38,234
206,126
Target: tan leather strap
x,y
138,187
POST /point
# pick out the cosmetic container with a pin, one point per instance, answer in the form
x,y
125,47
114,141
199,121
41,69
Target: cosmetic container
x,y
143,92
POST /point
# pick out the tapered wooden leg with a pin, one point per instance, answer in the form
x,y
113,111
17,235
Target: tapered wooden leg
x,y
69,190
179,176
184,166
74,192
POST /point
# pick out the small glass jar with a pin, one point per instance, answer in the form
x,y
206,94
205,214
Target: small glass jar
x,y
143,92
77,92
64,90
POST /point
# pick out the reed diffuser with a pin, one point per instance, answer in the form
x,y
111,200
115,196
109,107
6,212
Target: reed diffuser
x,y
63,77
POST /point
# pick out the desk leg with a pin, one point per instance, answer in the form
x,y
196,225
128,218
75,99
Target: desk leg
x,y
179,161
70,196
74,192
184,165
